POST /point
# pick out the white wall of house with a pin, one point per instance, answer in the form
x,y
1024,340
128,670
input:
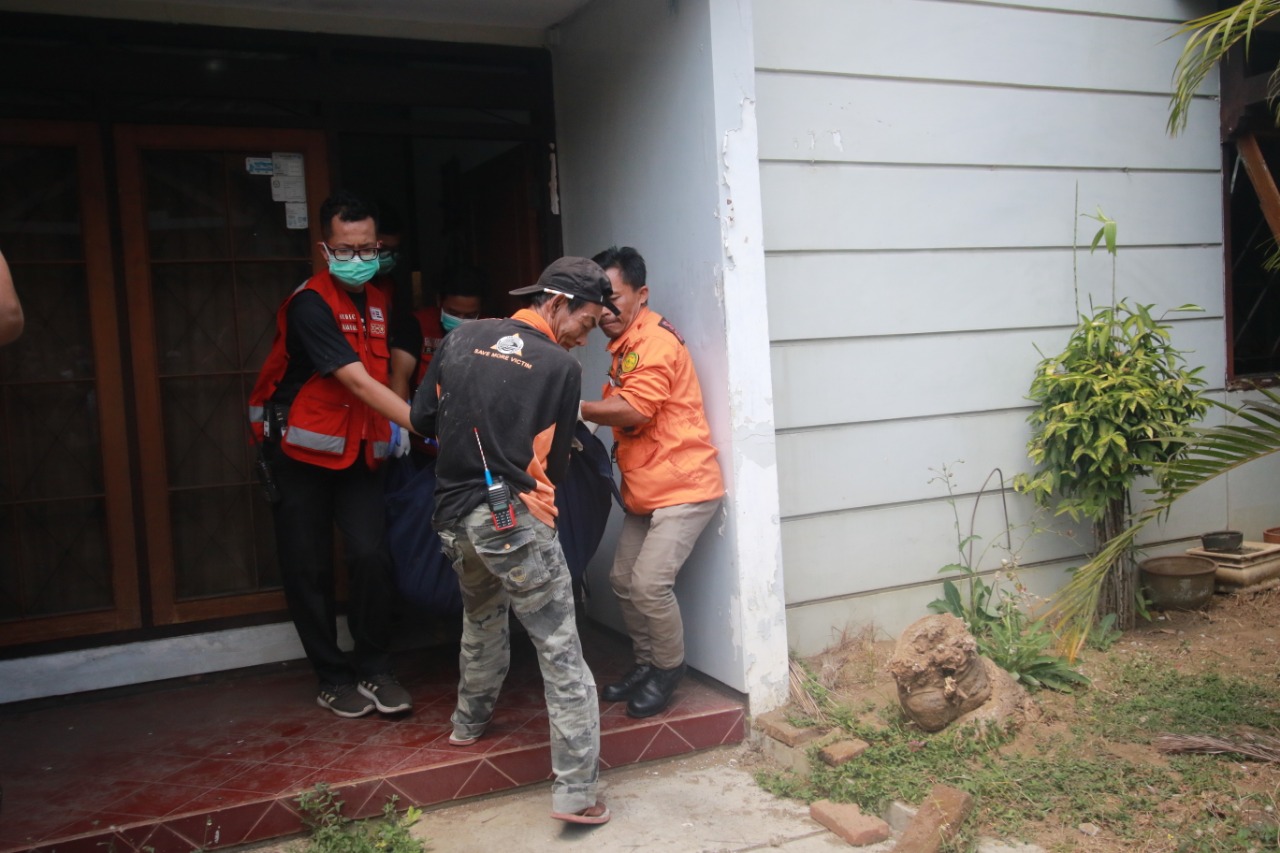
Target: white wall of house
x,y
656,129
920,163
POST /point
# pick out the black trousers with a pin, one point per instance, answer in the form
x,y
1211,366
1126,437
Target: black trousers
x,y
312,501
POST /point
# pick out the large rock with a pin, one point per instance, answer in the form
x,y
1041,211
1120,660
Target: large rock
x,y
1009,704
938,670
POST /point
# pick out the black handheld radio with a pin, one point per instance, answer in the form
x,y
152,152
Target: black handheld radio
x,y
261,467
501,508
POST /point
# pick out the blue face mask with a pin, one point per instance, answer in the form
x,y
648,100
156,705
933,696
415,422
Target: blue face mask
x,y
353,273
448,322
387,261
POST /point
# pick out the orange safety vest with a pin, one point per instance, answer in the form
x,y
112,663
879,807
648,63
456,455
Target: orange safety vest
x,y
327,423
432,337
670,460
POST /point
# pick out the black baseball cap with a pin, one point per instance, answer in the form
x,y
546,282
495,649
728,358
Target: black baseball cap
x,y
577,278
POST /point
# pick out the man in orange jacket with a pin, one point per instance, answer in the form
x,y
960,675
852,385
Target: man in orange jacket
x,y
671,484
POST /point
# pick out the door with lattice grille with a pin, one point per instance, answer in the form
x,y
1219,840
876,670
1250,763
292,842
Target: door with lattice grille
x,y
213,233
68,561
219,234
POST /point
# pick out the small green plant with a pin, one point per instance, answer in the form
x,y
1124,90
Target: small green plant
x,y
978,606
1104,634
1111,407
331,832
997,618
1023,647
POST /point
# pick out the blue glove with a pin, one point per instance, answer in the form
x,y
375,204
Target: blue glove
x,y
399,440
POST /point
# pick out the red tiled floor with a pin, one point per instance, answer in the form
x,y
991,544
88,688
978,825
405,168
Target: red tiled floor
x,y
219,761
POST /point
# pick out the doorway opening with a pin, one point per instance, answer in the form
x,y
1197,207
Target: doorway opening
x,y
152,244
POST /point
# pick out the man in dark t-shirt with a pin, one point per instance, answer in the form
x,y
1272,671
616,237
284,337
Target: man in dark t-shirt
x,y
501,397
322,405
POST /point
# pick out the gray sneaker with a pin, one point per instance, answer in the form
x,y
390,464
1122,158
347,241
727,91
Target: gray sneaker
x,y
344,700
386,693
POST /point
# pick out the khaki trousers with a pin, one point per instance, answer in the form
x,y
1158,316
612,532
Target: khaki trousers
x,y
651,550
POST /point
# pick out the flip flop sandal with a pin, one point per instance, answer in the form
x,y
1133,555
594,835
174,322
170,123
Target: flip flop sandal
x,y
592,815
466,741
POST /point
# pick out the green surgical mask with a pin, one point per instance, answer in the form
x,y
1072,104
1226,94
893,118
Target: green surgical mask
x,y
448,322
387,260
353,273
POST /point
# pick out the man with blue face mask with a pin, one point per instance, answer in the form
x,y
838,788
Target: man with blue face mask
x,y
460,300
321,407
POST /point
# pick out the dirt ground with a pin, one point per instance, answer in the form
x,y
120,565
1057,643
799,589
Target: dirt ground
x,y
1235,636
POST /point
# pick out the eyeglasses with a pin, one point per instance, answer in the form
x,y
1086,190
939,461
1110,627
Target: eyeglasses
x,y
367,254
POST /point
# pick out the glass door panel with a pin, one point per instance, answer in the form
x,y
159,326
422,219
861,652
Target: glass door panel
x,y
67,558
213,260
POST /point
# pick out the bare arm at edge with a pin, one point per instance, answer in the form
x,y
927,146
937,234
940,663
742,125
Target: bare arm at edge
x,y
11,319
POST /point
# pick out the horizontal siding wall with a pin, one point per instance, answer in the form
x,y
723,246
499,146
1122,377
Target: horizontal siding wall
x,y
920,162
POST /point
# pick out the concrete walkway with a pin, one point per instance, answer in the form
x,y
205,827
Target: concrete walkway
x,y
703,803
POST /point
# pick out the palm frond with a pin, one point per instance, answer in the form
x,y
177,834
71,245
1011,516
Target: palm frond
x,y
1210,453
1211,38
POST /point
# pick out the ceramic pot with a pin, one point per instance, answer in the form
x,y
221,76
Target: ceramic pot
x,y
1272,535
1179,582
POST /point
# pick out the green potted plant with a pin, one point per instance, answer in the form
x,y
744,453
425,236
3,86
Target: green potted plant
x,y
1109,408
1252,432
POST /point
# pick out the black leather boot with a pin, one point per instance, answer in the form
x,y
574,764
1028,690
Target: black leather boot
x,y
621,690
656,691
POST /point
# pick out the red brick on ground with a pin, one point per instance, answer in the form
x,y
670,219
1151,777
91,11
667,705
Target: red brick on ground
x,y
847,821
843,751
937,821
775,725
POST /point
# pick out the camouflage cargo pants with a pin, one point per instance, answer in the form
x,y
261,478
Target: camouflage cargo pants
x,y
524,570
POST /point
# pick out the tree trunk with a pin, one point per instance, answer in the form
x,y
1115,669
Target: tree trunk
x,y
1120,587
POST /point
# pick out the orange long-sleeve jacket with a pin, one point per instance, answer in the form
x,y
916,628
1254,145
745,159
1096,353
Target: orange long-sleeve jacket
x,y
670,459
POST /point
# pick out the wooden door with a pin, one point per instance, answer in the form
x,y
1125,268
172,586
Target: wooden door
x,y
68,562
210,253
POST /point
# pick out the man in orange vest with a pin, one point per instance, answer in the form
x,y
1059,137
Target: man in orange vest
x,y
321,406
460,300
671,484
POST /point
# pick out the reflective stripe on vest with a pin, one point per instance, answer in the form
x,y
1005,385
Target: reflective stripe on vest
x,y
318,441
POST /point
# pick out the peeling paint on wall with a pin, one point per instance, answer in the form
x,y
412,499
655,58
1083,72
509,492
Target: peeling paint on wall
x,y
727,167
758,612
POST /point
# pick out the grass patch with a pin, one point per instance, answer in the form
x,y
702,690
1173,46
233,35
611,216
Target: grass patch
x,y
1152,697
1096,768
331,832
